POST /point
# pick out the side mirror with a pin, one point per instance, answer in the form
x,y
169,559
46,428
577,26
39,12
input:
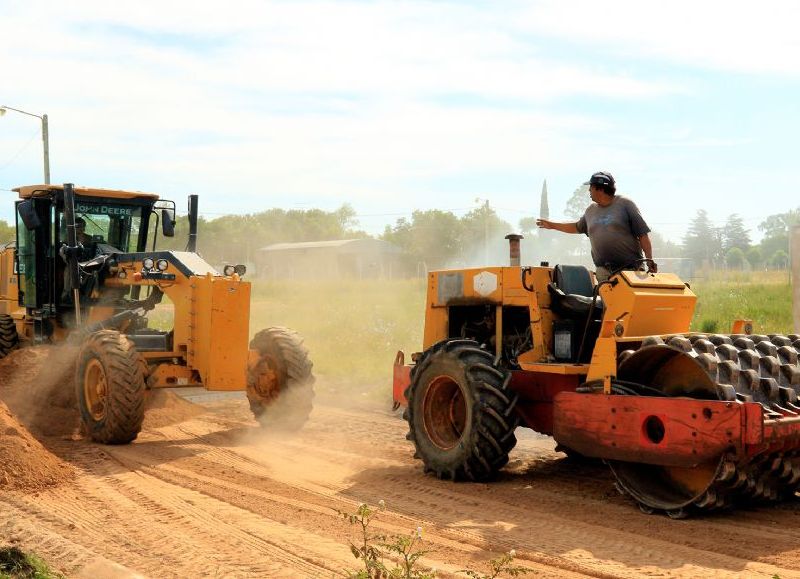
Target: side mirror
x,y
167,223
27,213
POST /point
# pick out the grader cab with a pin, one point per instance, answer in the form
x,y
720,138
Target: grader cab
x,y
85,271
686,421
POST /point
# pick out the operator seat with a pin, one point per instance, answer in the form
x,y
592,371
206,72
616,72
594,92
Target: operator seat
x,y
571,290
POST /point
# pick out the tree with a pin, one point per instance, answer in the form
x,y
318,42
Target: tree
x,y
483,234
432,237
577,204
754,257
7,232
735,234
776,230
236,238
527,226
779,260
663,247
734,258
702,241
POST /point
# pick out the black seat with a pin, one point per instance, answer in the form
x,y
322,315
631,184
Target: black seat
x,y
572,290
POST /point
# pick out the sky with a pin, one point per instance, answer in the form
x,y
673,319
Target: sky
x,y
393,106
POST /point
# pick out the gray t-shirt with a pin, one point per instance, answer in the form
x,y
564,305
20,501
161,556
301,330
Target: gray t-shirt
x,y
614,232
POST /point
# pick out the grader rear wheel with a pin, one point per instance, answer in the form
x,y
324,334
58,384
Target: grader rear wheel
x,y
461,412
717,367
110,388
280,387
9,339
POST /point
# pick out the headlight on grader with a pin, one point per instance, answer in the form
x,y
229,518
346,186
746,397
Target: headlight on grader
x,y
229,270
241,269
162,264
148,263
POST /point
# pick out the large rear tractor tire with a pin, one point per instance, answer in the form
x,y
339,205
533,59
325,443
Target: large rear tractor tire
x,y
9,339
460,412
110,388
280,387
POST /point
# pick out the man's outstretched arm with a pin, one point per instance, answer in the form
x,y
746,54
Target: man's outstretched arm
x,y
563,227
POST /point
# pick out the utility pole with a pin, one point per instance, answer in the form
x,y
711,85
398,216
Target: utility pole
x,y
45,137
794,258
486,233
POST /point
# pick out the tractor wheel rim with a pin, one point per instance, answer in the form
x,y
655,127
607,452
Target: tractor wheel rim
x,y
95,389
444,413
267,381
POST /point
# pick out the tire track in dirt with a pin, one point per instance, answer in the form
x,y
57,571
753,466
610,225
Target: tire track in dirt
x,y
180,520
216,495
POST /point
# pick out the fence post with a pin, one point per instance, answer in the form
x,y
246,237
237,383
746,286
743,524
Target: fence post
x,y
794,257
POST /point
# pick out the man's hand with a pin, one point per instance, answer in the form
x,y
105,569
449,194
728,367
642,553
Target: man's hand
x,y
545,224
652,266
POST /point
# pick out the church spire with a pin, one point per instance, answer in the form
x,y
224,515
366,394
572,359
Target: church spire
x,y
544,209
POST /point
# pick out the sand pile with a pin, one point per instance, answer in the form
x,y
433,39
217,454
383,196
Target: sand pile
x,y
24,463
166,408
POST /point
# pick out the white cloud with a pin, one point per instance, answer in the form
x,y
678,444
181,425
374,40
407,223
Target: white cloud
x,y
330,102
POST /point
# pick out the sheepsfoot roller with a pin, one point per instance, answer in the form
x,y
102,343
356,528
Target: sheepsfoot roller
x,y
687,422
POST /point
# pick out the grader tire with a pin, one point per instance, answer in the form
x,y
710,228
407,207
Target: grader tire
x,y
280,387
110,388
9,339
461,412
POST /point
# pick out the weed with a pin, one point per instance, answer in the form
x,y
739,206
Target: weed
x,y
407,550
370,555
709,326
16,564
502,565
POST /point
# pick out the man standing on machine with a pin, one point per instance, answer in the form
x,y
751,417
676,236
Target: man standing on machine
x,y
617,232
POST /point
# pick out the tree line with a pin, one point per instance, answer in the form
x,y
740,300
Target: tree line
x,y
435,238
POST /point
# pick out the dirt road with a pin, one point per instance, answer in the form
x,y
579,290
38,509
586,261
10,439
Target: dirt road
x,y
215,496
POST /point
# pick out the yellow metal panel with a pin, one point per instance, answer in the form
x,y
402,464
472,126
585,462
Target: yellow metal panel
x,y
227,340
649,309
662,280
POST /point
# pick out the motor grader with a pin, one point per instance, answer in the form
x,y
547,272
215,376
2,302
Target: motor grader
x,y
687,422
85,271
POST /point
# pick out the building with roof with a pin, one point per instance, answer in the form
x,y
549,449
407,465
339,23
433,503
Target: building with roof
x,y
339,259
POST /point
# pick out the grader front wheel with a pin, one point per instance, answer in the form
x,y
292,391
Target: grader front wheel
x,y
280,384
461,412
110,388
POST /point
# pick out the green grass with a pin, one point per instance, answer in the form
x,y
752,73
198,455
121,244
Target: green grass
x,y
16,564
764,297
353,329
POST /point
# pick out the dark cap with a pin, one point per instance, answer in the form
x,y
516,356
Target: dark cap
x,y
602,178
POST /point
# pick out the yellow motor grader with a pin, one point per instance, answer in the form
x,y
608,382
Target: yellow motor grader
x,y
686,421
84,270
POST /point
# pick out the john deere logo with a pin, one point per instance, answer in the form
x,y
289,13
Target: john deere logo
x,y
103,210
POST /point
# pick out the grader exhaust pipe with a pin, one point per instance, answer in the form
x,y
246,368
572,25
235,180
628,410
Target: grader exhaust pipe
x,y
192,244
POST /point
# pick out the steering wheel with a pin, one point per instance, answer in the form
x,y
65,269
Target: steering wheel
x,y
651,266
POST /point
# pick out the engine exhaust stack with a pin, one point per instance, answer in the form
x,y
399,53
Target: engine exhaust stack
x,y
513,248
